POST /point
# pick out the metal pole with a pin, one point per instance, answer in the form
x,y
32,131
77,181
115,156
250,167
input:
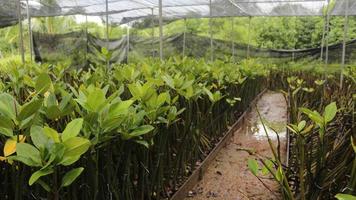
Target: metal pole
x,y
29,30
86,39
232,39
346,27
107,31
322,41
327,35
128,43
22,50
160,31
327,39
153,34
249,37
184,35
211,33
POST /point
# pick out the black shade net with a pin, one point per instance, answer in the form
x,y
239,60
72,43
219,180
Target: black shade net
x,y
79,48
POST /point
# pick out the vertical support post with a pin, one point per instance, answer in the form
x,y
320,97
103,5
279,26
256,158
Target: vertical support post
x,y
128,43
232,39
327,38
211,33
107,30
184,35
249,37
346,29
153,33
29,30
86,39
22,50
322,41
160,31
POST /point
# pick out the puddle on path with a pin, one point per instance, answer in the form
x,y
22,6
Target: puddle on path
x,y
228,177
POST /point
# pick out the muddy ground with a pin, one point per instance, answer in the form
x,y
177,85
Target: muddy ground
x,y
228,177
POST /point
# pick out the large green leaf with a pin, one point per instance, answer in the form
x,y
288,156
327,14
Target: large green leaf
x,y
72,129
6,126
8,106
38,137
53,112
119,108
43,83
29,152
38,174
29,109
76,146
95,100
70,176
51,133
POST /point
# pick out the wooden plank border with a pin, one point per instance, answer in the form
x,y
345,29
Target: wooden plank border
x,y
198,173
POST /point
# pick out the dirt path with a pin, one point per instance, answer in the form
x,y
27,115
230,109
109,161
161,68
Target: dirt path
x,y
228,177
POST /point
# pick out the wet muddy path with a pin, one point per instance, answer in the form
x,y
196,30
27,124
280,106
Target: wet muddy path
x,y
228,177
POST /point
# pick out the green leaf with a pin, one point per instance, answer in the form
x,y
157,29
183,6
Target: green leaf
x,y
95,100
70,176
43,83
6,126
301,125
253,166
76,146
268,165
72,129
330,112
29,109
29,152
68,160
141,131
51,133
53,112
8,106
44,185
38,174
345,197
38,137
120,108
279,174
313,115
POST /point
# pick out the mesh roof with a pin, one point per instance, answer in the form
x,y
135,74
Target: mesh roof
x,y
121,11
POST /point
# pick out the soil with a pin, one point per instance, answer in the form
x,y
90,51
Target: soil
x,y
228,177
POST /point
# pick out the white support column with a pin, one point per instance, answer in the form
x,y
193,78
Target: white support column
x,y
346,29
127,42
327,35
107,29
322,41
211,32
249,37
29,30
184,35
160,31
153,33
232,39
327,39
19,16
